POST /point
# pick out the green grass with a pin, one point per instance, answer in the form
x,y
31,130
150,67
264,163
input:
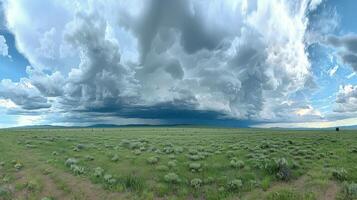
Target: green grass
x,y
176,163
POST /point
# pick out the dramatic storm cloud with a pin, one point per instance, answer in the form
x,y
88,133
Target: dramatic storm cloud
x,y
165,60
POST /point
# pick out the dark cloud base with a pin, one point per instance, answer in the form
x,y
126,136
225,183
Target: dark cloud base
x,y
171,113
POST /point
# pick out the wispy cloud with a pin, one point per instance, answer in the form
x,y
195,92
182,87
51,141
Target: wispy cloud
x,y
333,70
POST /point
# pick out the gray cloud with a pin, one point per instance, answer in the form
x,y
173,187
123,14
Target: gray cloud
x,y
23,94
348,48
175,70
350,59
48,85
100,75
180,15
346,100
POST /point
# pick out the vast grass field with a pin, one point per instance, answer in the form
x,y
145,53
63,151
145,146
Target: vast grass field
x,y
177,163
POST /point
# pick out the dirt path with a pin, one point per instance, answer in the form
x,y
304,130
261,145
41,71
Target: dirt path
x,y
52,190
330,193
60,184
83,188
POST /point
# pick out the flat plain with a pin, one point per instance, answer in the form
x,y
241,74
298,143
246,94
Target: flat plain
x,y
177,163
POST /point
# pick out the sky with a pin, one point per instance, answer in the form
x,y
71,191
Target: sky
x,y
239,63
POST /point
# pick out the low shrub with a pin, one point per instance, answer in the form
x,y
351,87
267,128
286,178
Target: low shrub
x,y
239,164
89,158
265,145
77,170
137,152
192,152
98,172
196,183
125,143
353,150
80,146
339,174
280,168
172,163
153,160
172,178
168,150
70,161
234,185
178,150
195,167
109,179
349,191
33,185
115,158
31,146
18,166
6,179
195,157
135,145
